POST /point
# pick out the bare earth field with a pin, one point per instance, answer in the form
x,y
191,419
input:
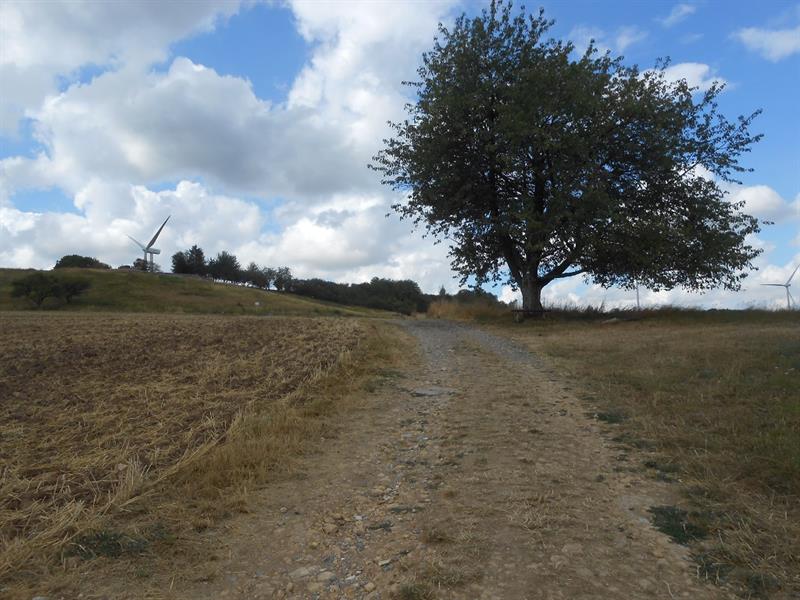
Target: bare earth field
x,y
97,410
556,461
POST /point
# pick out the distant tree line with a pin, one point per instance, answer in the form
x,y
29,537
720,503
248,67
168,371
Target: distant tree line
x,y
398,296
470,296
226,266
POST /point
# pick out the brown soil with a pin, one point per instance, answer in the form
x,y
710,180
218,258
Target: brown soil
x,y
471,473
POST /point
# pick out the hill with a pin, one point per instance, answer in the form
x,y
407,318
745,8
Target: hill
x,y
134,291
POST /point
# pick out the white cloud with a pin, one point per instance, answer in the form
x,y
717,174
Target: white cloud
x,y
628,36
697,75
678,13
765,203
41,42
192,122
619,41
581,36
772,44
111,212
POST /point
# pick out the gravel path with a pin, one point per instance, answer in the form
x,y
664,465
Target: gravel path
x,y
472,474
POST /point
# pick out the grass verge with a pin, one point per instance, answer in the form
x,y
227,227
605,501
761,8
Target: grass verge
x,y
714,397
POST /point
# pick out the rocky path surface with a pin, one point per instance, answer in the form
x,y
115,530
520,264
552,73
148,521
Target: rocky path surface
x,y
473,474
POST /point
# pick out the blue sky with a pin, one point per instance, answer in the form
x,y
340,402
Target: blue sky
x,y
252,124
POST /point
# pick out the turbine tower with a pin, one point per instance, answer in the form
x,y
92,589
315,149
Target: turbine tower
x,y
789,298
149,248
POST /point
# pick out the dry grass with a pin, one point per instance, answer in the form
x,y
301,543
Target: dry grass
x,y
715,398
476,310
117,424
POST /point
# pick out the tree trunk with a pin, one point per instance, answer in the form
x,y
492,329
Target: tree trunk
x,y
532,295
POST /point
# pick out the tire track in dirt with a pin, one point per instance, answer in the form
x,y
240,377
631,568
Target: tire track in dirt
x,y
472,474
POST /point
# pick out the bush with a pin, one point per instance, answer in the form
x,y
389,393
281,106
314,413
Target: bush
x,y
73,287
36,288
76,261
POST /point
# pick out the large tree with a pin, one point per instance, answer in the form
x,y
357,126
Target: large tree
x,y
539,163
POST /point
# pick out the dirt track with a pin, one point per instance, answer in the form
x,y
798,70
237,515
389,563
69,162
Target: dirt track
x,y
474,473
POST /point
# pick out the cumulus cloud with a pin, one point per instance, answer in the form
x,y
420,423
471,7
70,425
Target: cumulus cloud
x,y
678,13
191,122
112,211
109,141
697,75
617,41
765,203
772,44
41,42
628,36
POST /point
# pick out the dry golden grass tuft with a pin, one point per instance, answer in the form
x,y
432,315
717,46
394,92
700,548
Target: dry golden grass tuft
x,y
120,430
715,398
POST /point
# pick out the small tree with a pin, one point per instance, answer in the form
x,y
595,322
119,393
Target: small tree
x,y
79,262
196,261
540,166
72,287
179,263
269,276
190,262
283,279
36,288
254,275
225,266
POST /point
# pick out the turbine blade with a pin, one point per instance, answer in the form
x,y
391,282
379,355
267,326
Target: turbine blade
x,y
788,281
775,284
138,243
791,298
155,237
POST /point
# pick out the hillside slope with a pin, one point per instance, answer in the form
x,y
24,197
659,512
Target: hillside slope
x,y
133,291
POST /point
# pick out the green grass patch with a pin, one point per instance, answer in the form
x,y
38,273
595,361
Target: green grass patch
x,y
110,544
677,524
134,292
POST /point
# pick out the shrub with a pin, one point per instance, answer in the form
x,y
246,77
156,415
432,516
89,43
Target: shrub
x,y
399,296
79,262
36,288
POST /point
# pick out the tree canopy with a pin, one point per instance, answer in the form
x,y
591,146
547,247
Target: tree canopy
x,y
225,266
190,262
80,262
538,163
39,287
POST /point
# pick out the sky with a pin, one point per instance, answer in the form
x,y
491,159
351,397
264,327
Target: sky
x,y
252,124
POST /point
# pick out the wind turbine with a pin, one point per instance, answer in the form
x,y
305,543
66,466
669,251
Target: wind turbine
x,y
789,298
149,248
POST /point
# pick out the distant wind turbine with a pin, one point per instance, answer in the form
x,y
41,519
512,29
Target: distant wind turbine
x,y
789,298
149,248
